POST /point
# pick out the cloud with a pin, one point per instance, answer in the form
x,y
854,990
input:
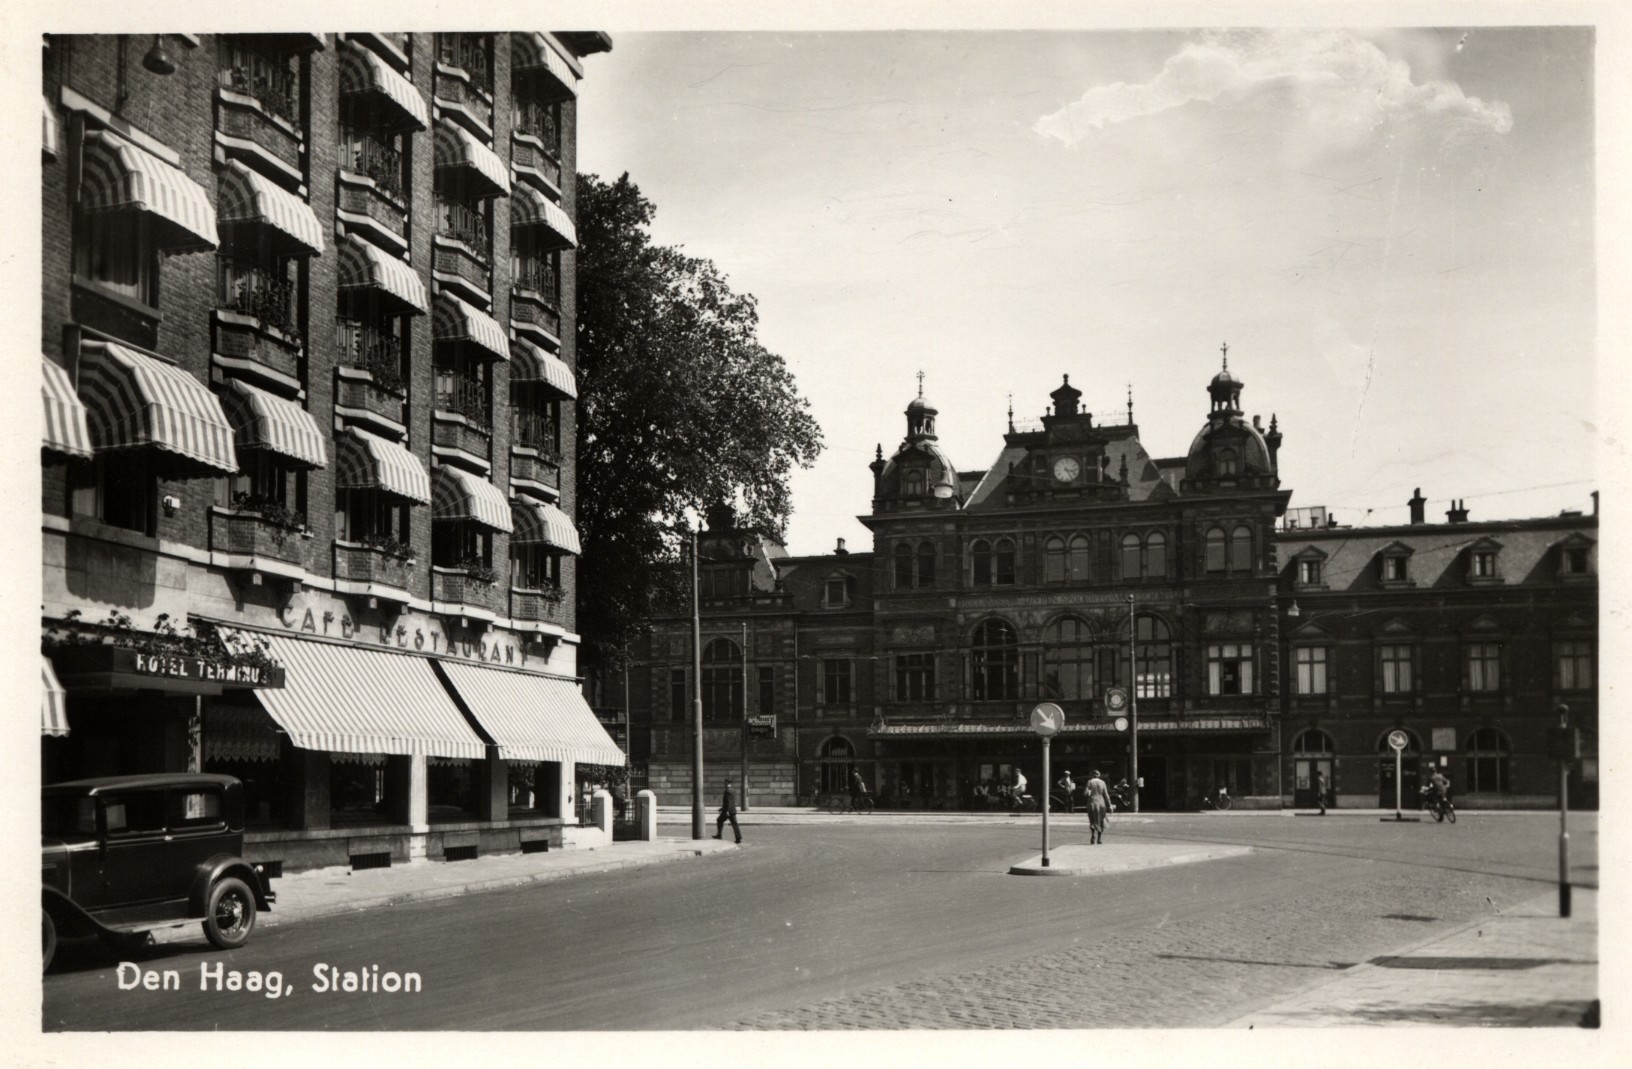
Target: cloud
x,y
1336,82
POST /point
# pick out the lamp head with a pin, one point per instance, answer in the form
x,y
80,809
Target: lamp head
x,y
157,59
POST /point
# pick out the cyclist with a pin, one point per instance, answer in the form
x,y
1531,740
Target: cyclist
x,y
858,788
1439,789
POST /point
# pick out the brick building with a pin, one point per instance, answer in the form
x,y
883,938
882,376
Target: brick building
x,y
308,481
1258,653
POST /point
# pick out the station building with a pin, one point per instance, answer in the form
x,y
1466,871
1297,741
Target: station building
x,y
1254,645
307,470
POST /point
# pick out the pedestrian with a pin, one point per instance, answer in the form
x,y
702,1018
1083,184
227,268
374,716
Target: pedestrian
x,y
1099,804
1068,787
858,788
1320,790
728,811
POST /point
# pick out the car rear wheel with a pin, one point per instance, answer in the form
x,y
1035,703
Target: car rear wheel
x,y
229,915
50,937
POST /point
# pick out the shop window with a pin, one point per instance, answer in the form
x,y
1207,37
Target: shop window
x,y
1068,660
1395,668
995,662
1574,665
1229,668
1487,759
1311,669
722,680
358,789
119,490
450,789
914,677
525,788
1483,661
837,680
1153,649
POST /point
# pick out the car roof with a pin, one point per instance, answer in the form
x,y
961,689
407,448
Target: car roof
x,y
151,779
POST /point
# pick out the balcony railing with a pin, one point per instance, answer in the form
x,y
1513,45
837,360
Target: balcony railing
x,y
270,83
252,291
464,396
532,430
369,156
456,221
540,122
370,349
468,53
539,276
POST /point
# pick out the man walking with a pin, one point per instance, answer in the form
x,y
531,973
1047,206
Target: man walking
x,y
728,811
1320,790
1099,804
1068,788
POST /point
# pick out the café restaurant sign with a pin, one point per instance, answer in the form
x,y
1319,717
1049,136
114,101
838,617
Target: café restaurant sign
x,y
421,636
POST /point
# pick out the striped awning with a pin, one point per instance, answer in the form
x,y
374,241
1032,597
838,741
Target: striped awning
x,y
533,364
53,701
530,208
51,133
540,521
363,266
533,717
455,320
266,421
456,494
365,461
457,147
133,400
246,197
65,428
533,53
118,175
350,700
364,73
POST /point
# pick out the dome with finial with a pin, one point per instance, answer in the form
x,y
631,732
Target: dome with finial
x,y
1228,447
919,470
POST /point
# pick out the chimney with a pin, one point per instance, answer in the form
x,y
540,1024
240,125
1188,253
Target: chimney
x,y
1258,423
840,551
1458,513
1595,502
1417,502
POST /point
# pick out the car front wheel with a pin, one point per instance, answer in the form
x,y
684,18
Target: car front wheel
x,y
229,915
50,937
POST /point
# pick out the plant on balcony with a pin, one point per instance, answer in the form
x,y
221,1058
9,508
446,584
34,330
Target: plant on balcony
x,y
274,514
477,571
551,592
200,639
389,546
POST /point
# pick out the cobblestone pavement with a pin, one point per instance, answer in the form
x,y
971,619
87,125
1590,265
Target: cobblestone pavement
x,y
1202,971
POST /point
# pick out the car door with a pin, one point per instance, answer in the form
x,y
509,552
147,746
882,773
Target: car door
x,y
132,869
198,830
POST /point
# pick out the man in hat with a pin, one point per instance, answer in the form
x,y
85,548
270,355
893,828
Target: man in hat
x,y
728,811
1098,797
1068,789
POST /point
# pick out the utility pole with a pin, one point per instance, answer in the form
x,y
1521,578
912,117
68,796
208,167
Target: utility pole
x,y
696,697
744,806
1564,747
1133,705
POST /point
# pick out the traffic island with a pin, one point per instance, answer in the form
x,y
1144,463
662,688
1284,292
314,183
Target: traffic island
x,y
1107,858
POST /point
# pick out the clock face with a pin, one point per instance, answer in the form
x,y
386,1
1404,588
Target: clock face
x,y
1066,469
1116,699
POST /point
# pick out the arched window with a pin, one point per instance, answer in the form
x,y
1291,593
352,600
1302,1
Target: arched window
x,y
1487,761
1068,659
926,564
1241,549
981,555
1076,565
1215,549
722,680
1153,646
903,567
1156,555
1314,742
994,661
1054,559
837,757
1003,563
912,483
1130,556
1228,462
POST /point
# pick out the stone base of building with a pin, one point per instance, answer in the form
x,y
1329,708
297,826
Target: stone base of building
x,y
384,845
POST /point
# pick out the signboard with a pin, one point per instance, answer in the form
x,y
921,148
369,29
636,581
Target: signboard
x,y
1398,739
762,727
1444,739
120,666
1047,719
1116,699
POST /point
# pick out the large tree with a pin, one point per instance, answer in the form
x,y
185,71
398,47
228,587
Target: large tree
x,y
679,407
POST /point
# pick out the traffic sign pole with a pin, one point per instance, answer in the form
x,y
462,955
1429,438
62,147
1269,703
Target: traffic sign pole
x,y
1046,782
1046,720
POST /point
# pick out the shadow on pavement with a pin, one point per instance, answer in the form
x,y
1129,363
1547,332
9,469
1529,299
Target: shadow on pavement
x,y
1577,1012
1437,963
1336,965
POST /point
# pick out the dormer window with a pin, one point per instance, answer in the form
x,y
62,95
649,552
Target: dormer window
x,y
836,591
1394,569
1229,462
1483,563
1575,557
1308,572
1394,565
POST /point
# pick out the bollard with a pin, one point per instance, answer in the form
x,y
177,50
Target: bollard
x,y
646,815
600,812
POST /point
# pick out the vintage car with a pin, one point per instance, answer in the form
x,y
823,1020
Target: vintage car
x,y
126,854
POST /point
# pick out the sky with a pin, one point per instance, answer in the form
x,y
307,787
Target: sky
x,y
1392,230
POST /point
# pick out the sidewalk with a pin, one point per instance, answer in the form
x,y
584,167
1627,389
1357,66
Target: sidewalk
x,y
1527,967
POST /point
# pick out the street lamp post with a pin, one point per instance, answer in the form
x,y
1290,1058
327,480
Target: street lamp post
x,y
696,698
1133,705
1564,745
744,806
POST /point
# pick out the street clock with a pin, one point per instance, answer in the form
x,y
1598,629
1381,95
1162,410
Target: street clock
x,y
1066,469
1116,699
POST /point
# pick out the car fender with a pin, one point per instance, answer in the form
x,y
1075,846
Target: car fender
x,y
223,865
73,922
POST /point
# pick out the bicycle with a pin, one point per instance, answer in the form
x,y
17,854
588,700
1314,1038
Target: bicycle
x,y
1440,807
838,804
1222,802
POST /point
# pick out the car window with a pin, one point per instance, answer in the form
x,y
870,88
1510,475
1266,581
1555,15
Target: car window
x,y
68,814
195,807
133,813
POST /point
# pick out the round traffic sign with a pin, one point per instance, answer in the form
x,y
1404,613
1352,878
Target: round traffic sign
x,y
1116,699
1121,723
1047,719
1398,739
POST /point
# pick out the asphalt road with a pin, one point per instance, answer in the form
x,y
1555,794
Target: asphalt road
x,y
869,925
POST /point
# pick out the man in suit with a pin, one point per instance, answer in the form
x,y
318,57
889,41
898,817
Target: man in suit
x,y
1320,790
728,811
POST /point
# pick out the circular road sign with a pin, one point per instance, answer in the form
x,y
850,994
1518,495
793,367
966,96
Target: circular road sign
x,y
1047,719
1116,699
1398,739
1121,723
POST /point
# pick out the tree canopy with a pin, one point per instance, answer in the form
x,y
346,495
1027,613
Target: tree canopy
x,y
679,406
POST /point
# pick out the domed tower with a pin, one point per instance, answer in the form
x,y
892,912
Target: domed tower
x,y
1229,453
919,475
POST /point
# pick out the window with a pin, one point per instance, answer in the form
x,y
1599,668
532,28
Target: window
x,y
1308,572
534,566
1229,668
461,544
535,416
926,564
1241,549
1131,552
729,581
267,77
1575,560
121,492
903,566
980,554
912,483
137,813
251,280
195,809
467,52
1482,564
262,485
461,215
372,518
1153,650
914,677
836,680
117,250
1574,665
542,121
1395,569
1054,560
679,699
1484,661
369,340
1076,563
1215,549
1156,555
462,388
1003,563
377,154
767,690
995,662
1229,462
836,591
1068,660
1311,669
1313,741
1487,761
1395,663
722,680
533,269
